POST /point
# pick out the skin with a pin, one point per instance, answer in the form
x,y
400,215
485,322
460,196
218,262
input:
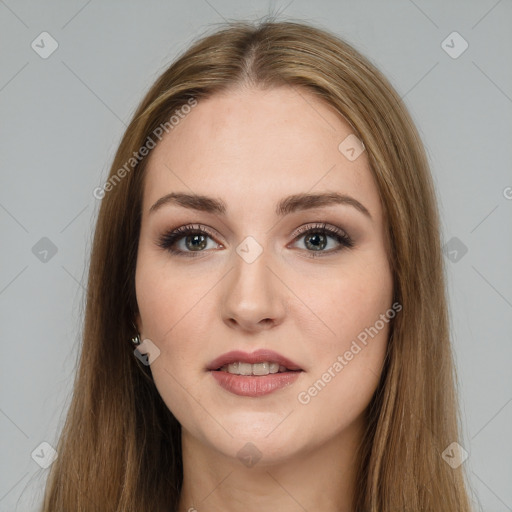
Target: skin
x,y
251,148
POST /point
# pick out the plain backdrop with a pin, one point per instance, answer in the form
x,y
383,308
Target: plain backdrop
x,y
62,116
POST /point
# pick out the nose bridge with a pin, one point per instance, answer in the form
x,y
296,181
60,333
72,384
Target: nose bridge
x,y
252,293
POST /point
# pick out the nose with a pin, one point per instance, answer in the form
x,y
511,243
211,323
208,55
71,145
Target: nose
x,y
253,296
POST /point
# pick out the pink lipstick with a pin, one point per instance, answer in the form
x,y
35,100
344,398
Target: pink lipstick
x,y
256,374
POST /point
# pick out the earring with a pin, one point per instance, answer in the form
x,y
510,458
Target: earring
x,y
136,338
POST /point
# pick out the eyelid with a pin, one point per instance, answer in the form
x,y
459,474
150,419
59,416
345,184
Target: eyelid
x,y
195,226
319,226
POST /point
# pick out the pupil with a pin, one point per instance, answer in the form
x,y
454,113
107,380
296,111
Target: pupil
x,y
315,244
202,243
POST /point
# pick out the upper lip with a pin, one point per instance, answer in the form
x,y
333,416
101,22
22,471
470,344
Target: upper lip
x,y
258,356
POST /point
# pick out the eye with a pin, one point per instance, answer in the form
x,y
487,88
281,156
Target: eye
x,y
194,237
316,239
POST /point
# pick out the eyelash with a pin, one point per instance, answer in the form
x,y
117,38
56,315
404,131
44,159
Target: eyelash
x,y
169,239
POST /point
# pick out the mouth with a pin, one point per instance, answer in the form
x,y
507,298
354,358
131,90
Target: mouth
x,y
254,375
259,363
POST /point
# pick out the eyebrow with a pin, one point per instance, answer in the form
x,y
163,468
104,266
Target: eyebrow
x,y
284,207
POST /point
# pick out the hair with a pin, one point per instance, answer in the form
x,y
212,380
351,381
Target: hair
x,y
120,446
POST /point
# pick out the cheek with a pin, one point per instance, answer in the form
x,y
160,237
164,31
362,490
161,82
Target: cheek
x,y
177,315
355,307
341,307
172,314
166,298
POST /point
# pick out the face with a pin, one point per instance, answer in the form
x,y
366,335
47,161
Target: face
x,y
263,268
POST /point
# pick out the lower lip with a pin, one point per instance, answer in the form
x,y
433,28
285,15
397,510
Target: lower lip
x,y
251,385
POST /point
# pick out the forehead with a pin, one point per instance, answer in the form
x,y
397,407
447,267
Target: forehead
x,y
252,146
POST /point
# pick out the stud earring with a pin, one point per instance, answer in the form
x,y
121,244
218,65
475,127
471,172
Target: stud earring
x,y
136,338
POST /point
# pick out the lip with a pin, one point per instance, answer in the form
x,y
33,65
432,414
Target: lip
x,y
254,386
258,356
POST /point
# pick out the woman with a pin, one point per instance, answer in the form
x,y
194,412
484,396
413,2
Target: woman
x,y
266,324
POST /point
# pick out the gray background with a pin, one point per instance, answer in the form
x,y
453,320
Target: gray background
x,y
62,118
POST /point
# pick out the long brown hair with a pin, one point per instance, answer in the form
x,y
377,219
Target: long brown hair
x,y
120,448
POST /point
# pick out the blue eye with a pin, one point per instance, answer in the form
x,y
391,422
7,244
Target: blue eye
x,y
316,238
196,238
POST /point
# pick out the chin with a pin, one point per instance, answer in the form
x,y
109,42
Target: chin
x,y
257,436
262,451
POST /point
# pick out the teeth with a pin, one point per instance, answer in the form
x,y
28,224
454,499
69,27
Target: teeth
x,y
243,368
274,367
260,368
264,368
